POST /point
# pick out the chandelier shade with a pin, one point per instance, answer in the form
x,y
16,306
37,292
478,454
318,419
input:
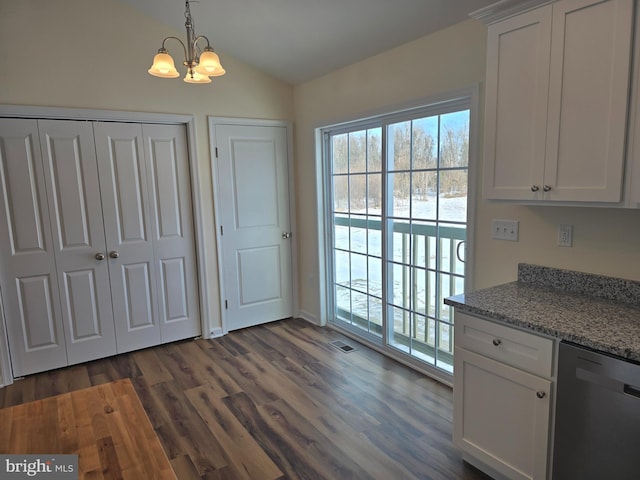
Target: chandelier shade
x,y
163,66
201,64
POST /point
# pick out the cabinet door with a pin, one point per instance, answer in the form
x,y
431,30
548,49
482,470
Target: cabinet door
x,y
499,417
75,211
171,221
588,95
27,265
516,105
130,254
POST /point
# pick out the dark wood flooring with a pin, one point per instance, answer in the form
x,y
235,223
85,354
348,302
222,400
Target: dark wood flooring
x,y
275,402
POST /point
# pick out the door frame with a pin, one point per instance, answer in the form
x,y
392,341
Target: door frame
x,y
213,122
61,113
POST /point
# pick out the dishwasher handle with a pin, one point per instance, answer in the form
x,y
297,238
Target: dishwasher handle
x,y
631,390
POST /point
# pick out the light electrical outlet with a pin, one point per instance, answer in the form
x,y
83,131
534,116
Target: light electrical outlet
x,y
565,235
504,230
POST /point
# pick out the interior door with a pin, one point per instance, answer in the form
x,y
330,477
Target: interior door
x,y
171,221
130,252
71,175
255,231
27,266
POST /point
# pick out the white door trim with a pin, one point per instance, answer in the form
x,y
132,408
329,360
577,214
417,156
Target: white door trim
x,y
250,122
27,111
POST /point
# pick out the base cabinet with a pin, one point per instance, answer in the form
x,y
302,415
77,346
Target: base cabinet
x,y
501,411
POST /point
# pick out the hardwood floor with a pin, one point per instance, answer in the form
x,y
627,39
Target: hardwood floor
x,y
277,401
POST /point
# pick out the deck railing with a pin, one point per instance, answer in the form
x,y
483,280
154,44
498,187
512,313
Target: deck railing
x,y
426,257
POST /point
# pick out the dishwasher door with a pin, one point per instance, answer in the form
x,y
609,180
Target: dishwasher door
x,y
597,427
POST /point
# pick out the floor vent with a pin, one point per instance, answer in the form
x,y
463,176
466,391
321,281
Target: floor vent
x,y
342,346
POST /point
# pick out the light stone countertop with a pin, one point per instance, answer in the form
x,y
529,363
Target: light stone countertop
x,y
602,313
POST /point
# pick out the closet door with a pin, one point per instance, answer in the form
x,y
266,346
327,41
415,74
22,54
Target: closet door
x,y
130,253
171,221
27,265
75,211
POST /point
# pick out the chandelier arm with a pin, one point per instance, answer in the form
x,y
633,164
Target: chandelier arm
x,y
184,48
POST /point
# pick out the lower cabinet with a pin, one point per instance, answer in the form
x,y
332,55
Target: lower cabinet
x,y
502,398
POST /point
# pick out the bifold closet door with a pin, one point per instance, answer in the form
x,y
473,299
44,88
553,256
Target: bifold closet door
x,y
167,160
127,225
27,264
75,212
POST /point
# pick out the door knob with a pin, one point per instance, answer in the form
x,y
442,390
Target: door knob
x,y
100,256
535,188
286,235
546,188
114,254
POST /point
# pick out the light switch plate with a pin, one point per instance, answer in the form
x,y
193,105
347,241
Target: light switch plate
x,y
504,230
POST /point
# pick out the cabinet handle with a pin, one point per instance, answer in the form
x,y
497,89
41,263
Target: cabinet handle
x,y
497,342
541,394
114,254
100,256
546,188
535,188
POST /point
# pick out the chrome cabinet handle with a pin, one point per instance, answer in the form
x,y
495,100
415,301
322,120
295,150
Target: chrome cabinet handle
x,y
114,254
535,188
497,342
546,188
100,256
541,394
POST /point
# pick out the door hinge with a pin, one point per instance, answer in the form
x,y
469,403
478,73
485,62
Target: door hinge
x,y
216,152
221,230
226,305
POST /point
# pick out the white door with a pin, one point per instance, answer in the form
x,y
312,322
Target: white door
x,y
71,176
27,266
171,221
255,229
130,253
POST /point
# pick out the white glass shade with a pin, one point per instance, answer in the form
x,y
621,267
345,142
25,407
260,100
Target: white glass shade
x,y
194,77
163,66
210,64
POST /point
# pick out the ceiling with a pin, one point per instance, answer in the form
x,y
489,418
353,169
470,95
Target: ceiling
x,y
299,40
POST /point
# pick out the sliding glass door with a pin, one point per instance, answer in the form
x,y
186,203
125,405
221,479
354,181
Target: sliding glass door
x,y
398,220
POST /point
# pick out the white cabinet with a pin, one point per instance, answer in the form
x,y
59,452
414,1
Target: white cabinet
x,y
98,252
502,398
556,102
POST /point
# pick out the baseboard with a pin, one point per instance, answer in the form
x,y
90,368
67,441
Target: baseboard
x,y
310,318
216,332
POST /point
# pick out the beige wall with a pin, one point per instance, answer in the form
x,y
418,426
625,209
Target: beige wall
x,y
48,52
606,241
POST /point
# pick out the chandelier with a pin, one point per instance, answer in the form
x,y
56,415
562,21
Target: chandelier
x,y
200,65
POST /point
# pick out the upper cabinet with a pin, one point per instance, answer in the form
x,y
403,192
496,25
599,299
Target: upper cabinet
x,y
556,102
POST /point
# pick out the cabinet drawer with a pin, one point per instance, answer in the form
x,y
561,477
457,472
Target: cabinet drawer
x,y
509,345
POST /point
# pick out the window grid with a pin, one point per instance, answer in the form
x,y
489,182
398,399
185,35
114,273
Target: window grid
x,y
421,258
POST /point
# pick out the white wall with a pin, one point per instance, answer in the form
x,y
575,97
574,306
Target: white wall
x,y
606,241
95,54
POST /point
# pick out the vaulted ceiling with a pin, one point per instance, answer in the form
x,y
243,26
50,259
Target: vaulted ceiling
x,y
299,40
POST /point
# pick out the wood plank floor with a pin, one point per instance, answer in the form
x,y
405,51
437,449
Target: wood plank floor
x,y
104,425
275,402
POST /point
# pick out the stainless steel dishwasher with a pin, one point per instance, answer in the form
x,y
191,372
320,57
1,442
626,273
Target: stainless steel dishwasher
x,y
597,427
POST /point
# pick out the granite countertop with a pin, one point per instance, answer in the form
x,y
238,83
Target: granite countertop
x,y
598,312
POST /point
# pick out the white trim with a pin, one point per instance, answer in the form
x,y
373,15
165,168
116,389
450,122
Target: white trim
x,y
28,111
505,9
6,376
213,122
309,317
470,97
